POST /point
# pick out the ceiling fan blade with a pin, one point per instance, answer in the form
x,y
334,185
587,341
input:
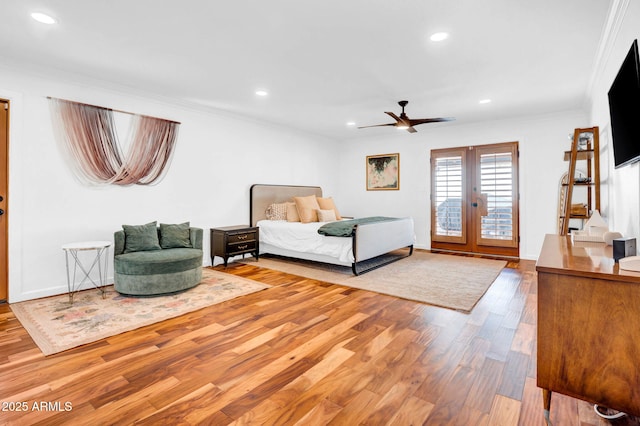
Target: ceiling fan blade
x,y
392,115
377,125
411,130
416,121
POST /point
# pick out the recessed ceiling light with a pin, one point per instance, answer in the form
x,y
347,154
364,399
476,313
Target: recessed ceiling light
x,y
439,36
43,18
351,123
261,92
485,101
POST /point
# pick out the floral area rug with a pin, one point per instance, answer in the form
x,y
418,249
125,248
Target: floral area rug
x,y
56,325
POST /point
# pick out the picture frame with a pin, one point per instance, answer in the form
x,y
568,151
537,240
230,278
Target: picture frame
x,y
383,172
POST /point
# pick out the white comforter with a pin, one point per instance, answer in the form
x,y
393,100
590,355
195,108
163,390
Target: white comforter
x,y
304,237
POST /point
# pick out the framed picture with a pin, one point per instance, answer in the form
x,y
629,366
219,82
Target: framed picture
x,y
383,172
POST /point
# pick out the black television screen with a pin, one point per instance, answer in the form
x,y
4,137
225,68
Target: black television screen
x,y
624,108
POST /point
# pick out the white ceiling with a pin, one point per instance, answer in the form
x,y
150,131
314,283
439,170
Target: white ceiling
x,y
323,62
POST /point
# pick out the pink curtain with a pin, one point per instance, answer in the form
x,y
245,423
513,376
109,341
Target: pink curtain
x,y
88,136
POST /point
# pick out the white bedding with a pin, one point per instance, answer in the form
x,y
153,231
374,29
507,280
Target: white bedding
x,y
304,237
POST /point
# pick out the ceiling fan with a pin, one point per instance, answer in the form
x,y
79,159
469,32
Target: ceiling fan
x,y
404,122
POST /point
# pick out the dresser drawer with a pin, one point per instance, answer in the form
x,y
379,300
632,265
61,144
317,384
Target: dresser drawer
x,y
241,237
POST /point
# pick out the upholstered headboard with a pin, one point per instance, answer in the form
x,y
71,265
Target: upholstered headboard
x,y
260,196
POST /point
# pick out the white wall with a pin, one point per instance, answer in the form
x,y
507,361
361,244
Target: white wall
x,y
623,197
217,158
542,142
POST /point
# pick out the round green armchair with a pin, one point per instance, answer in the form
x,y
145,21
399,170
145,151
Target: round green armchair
x,y
151,260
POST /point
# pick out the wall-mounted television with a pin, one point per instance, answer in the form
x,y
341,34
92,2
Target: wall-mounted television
x,y
624,108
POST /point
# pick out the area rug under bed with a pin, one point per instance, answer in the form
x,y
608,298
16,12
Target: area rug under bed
x,y
55,325
454,282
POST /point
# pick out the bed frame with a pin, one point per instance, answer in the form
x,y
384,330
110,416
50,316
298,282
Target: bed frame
x,y
371,240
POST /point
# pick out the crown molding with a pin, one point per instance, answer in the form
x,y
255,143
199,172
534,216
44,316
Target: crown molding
x,y
609,36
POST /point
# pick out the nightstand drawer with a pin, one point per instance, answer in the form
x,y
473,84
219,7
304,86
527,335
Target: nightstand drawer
x,y
242,247
241,238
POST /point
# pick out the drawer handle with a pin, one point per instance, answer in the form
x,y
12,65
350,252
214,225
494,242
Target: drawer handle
x,y
243,247
243,237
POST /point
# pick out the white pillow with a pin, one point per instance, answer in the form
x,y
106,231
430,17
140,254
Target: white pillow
x,y
327,215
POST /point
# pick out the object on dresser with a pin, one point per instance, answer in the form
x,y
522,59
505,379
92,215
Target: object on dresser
x,y
623,247
593,231
610,236
631,263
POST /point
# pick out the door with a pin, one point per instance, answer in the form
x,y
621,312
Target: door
x,y
4,187
474,199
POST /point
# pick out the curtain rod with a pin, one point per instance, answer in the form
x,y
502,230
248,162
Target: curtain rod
x,y
115,110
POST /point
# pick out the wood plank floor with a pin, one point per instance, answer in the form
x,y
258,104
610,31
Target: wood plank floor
x,y
303,352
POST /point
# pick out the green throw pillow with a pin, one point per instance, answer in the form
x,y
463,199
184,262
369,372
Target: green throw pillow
x,y
175,235
141,237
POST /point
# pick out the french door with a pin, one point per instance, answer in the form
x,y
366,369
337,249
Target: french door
x,y
474,199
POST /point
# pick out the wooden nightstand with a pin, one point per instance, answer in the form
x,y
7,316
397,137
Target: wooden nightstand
x,y
229,241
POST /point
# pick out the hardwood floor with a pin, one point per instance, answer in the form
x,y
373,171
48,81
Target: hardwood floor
x,y
302,352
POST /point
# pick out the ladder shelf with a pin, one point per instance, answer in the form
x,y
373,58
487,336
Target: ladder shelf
x,y
585,147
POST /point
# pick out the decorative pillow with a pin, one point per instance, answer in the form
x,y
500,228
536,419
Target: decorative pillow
x,y
326,215
307,207
177,235
328,204
292,213
276,211
141,237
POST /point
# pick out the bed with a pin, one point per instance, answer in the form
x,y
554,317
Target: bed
x,y
363,251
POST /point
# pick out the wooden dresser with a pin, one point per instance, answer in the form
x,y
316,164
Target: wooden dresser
x,y
588,325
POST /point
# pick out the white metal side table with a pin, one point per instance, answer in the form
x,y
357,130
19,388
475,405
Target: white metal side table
x,y
100,260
